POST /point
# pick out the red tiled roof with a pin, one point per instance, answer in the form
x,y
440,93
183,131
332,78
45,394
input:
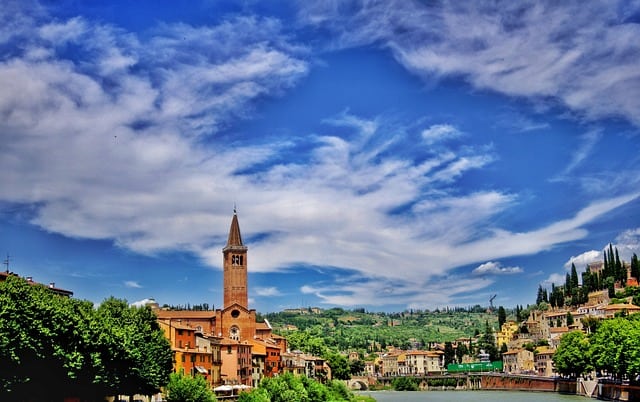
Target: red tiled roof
x,y
185,314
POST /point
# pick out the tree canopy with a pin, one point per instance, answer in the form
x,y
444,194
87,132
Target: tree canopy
x,y
53,347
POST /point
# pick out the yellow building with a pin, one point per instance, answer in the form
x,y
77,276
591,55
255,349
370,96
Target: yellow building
x,y
506,333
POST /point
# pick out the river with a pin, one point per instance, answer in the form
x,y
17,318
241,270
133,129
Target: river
x,y
469,396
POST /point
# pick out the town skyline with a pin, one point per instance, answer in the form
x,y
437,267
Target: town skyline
x,y
386,156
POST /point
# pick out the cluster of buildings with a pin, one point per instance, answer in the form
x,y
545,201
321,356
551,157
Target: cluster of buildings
x,y
530,344
228,346
547,327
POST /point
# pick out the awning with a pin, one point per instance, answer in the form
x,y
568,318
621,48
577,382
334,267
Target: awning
x,y
223,388
202,370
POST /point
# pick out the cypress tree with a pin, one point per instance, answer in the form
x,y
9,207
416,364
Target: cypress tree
x,y
635,266
574,278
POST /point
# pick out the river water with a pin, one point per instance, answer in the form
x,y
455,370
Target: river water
x,y
469,396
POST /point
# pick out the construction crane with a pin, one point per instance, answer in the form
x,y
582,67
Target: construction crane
x,y
491,301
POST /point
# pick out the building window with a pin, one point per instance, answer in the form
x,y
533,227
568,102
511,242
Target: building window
x,y
228,350
234,333
237,260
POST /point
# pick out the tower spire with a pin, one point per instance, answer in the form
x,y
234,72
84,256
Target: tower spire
x,y
235,238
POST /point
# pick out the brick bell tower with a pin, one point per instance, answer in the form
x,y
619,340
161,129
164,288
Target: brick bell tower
x,y
235,267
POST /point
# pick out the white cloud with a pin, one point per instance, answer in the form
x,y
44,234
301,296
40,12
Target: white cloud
x,y
583,259
555,279
439,132
628,243
495,268
132,284
127,162
143,302
583,57
268,291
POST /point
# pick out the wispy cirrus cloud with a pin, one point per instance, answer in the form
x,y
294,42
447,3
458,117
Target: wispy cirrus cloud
x,y
267,291
120,143
583,57
132,284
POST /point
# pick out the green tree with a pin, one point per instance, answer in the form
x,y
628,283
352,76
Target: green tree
x,y
53,347
356,367
615,347
141,357
449,353
572,356
339,366
502,316
488,344
182,388
404,384
574,278
635,266
289,388
570,319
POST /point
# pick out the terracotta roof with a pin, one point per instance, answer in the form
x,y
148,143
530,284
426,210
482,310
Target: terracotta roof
x,y
184,314
621,306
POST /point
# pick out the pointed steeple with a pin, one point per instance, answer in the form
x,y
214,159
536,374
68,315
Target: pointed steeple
x,y
235,239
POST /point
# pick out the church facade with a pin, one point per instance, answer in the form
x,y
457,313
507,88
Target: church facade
x,y
243,350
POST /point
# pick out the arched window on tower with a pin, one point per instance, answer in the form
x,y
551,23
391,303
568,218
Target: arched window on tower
x,y
237,260
234,333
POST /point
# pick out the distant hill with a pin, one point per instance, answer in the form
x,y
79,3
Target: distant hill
x,y
368,332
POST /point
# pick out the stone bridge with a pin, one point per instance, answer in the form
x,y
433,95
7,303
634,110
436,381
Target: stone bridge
x,y
358,383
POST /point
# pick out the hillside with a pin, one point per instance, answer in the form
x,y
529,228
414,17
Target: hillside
x,y
365,331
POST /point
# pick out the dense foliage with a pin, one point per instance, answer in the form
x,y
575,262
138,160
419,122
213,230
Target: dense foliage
x,y
290,388
356,330
53,347
613,349
329,332
182,388
405,384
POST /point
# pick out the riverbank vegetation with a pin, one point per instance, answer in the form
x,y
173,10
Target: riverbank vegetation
x,y
613,349
290,388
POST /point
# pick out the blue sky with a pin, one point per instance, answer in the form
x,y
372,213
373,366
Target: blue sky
x,y
383,154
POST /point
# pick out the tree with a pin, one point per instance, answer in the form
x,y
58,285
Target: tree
x,y
290,388
52,347
449,353
404,384
635,266
141,356
488,344
339,366
574,278
461,351
569,319
502,316
540,297
572,356
614,346
356,367
182,388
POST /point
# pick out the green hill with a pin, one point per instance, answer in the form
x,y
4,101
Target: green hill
x,y
357,330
